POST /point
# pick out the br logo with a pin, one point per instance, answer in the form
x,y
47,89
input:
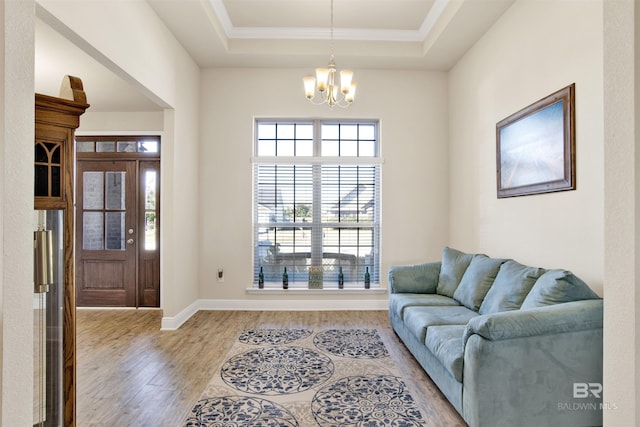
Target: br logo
x,y
584,390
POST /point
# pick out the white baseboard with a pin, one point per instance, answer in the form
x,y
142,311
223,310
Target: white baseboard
x,y
173,323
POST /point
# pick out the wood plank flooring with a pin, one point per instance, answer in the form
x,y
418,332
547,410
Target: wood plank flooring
x,y
132,374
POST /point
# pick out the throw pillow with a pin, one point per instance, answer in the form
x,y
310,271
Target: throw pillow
x,y
512,284
477,280
454,264
556,287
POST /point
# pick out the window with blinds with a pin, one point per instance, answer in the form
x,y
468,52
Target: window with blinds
x,y
317,201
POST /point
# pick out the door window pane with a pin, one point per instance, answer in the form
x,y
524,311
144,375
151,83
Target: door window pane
x,y
150,190
93,190
85,146
150,215
92,231
127,146
149,146
115,230
115,190
150,233
105,146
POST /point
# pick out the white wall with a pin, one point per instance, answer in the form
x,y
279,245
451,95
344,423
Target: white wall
x,y
622,198
16,199
536,48
114,122
412,108
149,57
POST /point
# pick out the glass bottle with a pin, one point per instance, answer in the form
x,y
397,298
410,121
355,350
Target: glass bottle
x,y
285,279
340,279
367,279
261,279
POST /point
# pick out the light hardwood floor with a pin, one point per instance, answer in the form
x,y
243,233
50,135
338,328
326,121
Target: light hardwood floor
x,y
132,374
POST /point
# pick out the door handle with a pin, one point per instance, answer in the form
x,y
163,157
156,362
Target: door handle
x,y
130,242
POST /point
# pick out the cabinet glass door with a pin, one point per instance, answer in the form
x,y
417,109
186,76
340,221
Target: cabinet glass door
x,y
48,319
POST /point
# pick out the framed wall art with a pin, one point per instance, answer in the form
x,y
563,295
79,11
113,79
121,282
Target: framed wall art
x,y
535,147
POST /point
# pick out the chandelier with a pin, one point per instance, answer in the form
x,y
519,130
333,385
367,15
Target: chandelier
x,y
324,89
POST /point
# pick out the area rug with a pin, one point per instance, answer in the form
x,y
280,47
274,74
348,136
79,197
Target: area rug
x,y
301,377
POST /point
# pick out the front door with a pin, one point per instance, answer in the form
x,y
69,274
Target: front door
x,y
117,244
106,233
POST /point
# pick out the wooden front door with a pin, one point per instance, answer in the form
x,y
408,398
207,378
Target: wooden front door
x,y
106,236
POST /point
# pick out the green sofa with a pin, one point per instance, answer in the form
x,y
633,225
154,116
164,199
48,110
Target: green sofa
x,y
507,344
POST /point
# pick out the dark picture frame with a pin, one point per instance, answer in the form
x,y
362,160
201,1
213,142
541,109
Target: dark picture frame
x,y
535,147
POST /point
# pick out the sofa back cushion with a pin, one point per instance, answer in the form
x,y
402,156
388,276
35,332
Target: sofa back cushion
x,y
556,287
454,264
476,281
512,284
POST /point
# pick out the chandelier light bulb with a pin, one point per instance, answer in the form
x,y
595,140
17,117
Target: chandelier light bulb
x,y
345,80
322,74
309,86
350,96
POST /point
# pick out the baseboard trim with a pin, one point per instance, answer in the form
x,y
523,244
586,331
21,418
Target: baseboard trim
x,y
173,323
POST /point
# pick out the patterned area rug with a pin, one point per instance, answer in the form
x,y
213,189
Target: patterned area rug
x,y
300,377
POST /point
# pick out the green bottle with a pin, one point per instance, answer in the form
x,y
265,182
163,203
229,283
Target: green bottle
x,y
367,279
340,279
285,279
261,279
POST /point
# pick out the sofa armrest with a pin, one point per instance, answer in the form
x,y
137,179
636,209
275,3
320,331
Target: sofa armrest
x,y
419,278
552,319
521,367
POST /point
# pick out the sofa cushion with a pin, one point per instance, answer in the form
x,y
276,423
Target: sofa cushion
x,y
420,278
418,319
445,342
454,264
398,302
510,288
556,287
477,280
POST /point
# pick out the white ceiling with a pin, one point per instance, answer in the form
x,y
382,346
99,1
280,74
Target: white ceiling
x,y
376,34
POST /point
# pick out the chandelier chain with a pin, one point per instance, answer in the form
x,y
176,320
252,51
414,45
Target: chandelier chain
x,y
332,42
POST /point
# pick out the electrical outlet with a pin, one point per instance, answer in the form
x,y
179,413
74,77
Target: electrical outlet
x,y
220,275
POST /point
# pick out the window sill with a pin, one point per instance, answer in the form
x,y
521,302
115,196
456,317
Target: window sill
x,y
332,290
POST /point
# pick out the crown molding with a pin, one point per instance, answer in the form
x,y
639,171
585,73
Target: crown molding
x,y
295,33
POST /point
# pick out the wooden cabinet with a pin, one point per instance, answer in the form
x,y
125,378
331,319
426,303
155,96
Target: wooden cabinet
x,y
56,120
